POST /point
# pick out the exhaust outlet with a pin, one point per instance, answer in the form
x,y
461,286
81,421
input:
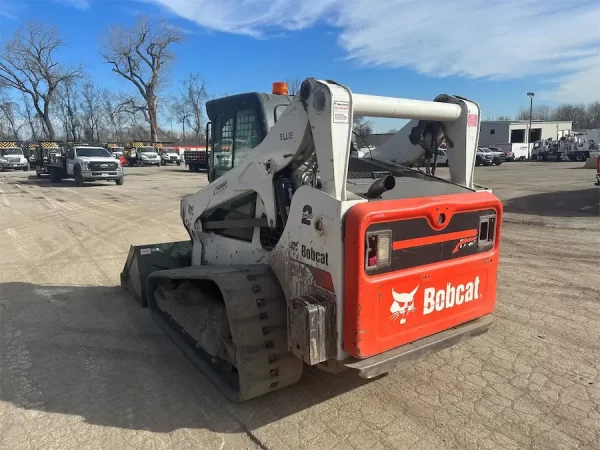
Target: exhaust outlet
x,y
380,186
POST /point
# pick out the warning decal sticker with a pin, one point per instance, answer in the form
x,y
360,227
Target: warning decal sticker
x,y
472,120
341,112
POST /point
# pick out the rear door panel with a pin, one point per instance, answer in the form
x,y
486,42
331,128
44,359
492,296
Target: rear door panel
x,y
440,274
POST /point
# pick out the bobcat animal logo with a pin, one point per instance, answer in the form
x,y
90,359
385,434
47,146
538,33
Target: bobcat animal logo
x,y
402,305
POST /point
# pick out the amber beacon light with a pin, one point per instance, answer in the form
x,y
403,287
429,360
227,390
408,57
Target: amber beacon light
x,y
280,87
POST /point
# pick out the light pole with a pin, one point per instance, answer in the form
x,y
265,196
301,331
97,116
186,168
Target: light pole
x,y
530,95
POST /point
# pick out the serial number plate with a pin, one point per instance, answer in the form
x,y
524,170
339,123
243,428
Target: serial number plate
x,y
104,174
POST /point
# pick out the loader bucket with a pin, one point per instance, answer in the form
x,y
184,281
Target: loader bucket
x,y
145,259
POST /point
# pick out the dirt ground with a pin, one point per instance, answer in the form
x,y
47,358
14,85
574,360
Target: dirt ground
x,y
82,366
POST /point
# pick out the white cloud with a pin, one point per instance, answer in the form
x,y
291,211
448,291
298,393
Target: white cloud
x,y
8,11
555,41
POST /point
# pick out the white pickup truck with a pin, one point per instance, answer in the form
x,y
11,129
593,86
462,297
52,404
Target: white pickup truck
x,y
85,163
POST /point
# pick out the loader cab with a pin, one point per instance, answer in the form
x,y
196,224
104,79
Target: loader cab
x,y
239,123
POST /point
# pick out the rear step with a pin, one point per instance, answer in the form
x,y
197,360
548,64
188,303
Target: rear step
x,y
387,361
256,310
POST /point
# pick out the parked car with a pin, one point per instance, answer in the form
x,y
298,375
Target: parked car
x,y
484,157
498,157
508,154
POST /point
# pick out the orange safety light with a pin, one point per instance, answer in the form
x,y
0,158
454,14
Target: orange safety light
x,y
280,87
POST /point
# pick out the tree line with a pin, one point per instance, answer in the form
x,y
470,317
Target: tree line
x,y
583,116
43,98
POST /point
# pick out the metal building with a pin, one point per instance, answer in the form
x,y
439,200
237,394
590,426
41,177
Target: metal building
x,y
514,131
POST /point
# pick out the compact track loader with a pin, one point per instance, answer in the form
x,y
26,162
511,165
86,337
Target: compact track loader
x,y
300,254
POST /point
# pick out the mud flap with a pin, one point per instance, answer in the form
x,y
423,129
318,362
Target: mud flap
x,y
145,259
256,311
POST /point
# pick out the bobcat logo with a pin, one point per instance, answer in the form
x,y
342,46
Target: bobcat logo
x,y
402,305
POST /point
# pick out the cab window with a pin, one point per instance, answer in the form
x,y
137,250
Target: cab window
x,y
71,153
246,135
222,147
235,135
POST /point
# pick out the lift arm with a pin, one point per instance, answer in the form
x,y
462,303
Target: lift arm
x,y
319,120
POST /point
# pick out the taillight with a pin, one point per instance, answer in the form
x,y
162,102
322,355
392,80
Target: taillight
x,y
378,249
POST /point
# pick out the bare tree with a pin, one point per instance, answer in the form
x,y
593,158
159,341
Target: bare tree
x,y
362,127
593,115
68,106
540,112
196,98
294,85
504,118
31,118
113,115
140,55
8,116
91,100
28,64
181,112
582,116
133,113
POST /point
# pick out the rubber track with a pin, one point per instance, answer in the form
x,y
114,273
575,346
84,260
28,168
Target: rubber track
x,y
257,313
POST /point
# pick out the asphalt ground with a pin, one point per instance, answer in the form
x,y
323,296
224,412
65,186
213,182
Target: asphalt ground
x,y
82,366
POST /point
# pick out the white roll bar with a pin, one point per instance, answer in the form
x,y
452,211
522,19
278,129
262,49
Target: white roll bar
x,y
402,108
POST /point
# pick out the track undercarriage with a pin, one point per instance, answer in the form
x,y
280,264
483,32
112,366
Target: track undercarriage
x,y
231,321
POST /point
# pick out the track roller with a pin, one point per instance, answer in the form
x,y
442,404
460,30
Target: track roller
x,y
255,309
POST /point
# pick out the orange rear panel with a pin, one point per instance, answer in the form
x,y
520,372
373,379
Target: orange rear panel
x,y
439,275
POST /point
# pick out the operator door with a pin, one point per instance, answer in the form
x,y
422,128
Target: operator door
x,y
235,134
70,161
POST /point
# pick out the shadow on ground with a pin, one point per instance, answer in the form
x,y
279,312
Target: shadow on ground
x,y
180,169
93,352
44,181
582,203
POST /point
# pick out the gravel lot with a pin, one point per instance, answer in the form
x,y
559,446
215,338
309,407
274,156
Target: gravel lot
x,y
82,366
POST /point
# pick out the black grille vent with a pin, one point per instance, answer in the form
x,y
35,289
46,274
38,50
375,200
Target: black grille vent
x,y
102,166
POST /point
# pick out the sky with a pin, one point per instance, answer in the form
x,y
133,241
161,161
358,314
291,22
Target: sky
x,y
489,51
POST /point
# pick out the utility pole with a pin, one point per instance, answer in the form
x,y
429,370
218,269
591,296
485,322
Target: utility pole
x,y
530,95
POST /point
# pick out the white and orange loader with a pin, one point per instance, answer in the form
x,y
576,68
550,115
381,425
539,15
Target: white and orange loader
x,y
301,254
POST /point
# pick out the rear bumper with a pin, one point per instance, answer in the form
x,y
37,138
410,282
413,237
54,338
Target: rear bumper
x,y
387,361
88,175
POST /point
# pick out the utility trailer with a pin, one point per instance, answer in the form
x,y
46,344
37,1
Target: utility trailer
x,y
301,254
45,152
196,158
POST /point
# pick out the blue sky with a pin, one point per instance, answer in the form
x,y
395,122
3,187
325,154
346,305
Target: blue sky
x,y
490,51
